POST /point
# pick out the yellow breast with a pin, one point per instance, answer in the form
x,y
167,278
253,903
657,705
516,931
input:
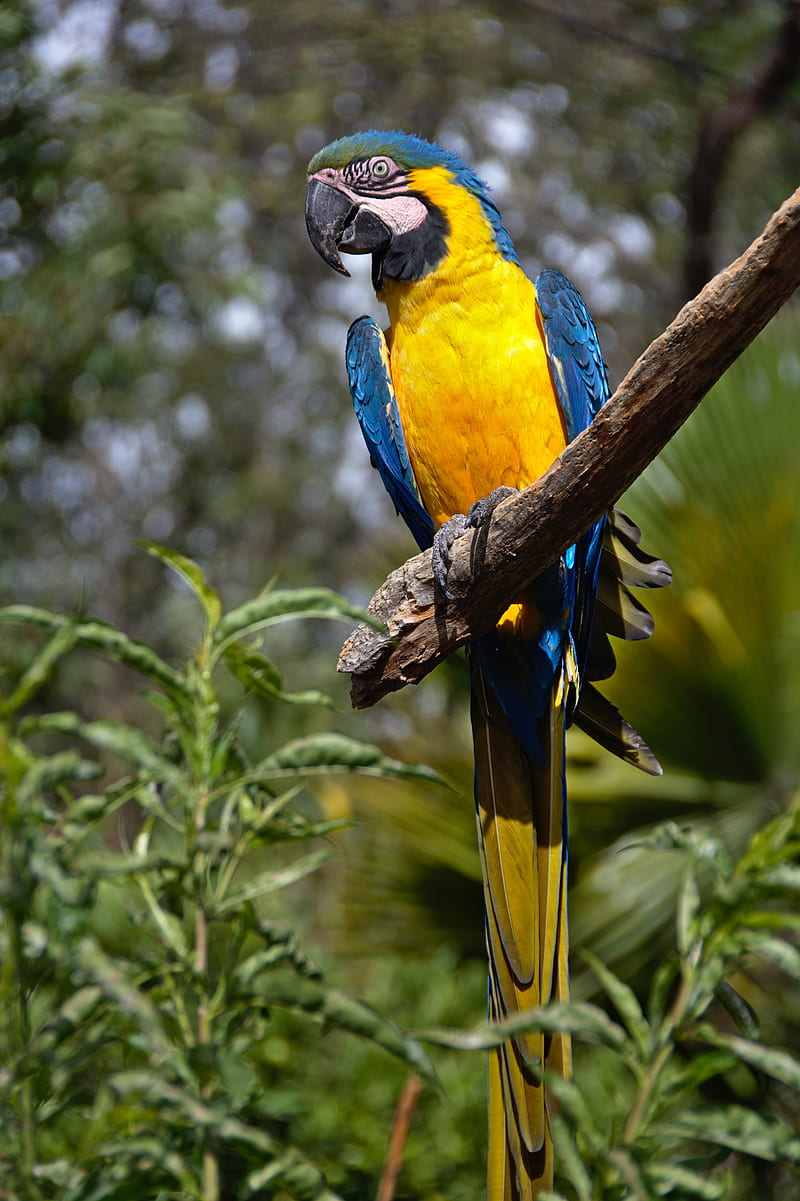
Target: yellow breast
x,y
469,365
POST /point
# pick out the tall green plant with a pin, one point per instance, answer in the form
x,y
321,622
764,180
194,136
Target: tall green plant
x,y
133,1066
716,690
683,1097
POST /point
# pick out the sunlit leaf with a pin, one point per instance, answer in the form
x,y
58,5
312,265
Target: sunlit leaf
x,y
259,674
781,1065
71,889
335,752
47,773
624,1000
688,906
299,1174
117,737
785,954
100,636
112,979
739,1129
191,573
284,605
337,1009
40,668
270,881
672,1179
566,1017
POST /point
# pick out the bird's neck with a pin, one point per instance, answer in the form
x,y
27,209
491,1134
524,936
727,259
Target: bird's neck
x,y
470,264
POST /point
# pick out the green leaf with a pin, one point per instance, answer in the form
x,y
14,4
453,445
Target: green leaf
x,y
278,938
270,881
688,908
783,879
116,737
258,673
624,1000
72,1014
108,864
702,1066
569,1161
739,1129
72,890
116,986
573,1106
285,605
661,989
337,1009
191,573
100,636
300,1175
558,1017
781,1065
39,670
778,950
671,1179
739,1009
46,774
334,752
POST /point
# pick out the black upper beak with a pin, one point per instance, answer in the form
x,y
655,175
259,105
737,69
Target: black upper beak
x,y
334,223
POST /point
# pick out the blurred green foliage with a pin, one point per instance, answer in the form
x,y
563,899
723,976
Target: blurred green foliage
x,y
138,979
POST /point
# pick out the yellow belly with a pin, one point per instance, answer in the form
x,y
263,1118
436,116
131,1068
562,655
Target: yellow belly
x,y
473,386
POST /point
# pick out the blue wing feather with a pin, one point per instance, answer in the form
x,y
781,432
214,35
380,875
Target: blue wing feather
x,y
367,360
581,382
573,348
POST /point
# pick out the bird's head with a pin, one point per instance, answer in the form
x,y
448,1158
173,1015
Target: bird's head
x,y
398,198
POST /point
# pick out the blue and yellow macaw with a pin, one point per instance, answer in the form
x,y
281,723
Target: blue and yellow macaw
x,y
480,381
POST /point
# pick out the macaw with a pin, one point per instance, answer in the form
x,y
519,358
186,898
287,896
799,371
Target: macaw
x,y
480,381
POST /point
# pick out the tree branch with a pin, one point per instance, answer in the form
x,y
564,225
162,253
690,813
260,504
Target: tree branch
x,y
719,130
528,531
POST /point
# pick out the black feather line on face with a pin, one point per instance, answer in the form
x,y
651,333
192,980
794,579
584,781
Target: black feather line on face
x,y
412,255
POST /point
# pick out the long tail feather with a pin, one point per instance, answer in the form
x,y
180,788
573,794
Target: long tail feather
x,y
520,815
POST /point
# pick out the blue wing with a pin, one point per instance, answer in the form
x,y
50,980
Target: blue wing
x,y
579,374
607,559
367,359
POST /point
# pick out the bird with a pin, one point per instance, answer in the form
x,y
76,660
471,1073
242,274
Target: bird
x,y
481,379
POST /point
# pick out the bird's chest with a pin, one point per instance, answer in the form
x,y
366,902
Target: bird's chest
x,y
475,395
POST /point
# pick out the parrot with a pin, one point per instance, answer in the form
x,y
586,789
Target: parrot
x,y
481,379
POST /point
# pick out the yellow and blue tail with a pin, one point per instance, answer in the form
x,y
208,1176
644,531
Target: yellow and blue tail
x,y
527,687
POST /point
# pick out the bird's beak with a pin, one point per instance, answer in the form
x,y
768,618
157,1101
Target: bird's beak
x,y
335,223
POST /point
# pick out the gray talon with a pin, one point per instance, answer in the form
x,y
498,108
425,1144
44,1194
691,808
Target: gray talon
x,y
483,509
442,549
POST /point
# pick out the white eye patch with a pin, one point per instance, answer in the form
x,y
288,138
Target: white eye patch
x,y
400,213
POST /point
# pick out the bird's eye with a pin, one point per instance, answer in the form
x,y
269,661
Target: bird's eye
x,y
380,168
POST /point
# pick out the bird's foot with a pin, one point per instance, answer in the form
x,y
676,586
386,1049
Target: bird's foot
x,y
445,536
442,550
482,510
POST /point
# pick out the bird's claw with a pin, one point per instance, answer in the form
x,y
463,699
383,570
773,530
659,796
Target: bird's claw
x,y
442,551
447,533
482,510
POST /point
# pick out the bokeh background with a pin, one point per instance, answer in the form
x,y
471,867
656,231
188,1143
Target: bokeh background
x,y
171,369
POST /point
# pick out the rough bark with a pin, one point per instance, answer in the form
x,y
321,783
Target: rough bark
x,y
528,531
